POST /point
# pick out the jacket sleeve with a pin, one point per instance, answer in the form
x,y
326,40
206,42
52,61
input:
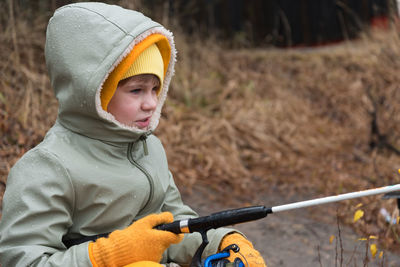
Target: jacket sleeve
x,y
183,252
37,212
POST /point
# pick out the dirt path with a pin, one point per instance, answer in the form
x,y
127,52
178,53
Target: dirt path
x,y
293,238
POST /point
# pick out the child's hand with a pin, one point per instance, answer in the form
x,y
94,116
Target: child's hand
x,y
138,242
247,253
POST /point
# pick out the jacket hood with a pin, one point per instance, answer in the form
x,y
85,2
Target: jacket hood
x,y
85,42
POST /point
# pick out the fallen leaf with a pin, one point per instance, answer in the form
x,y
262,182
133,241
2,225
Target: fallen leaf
x,y
358,215
373,250
331,239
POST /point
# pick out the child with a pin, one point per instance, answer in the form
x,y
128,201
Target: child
x,y
99,169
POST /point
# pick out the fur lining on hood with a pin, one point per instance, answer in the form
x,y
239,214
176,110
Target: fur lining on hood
x,y
164,90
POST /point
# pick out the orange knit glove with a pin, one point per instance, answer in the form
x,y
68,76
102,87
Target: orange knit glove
x,y
247,253
137,242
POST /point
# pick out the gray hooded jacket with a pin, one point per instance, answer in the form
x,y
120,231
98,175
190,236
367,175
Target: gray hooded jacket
x,y
90,175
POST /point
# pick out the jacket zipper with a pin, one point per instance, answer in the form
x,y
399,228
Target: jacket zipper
x,y
145,149
141,168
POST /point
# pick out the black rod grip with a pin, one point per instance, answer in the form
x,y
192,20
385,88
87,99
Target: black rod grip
x,y
216,220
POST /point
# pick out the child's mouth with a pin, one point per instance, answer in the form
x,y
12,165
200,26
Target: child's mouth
x,y
143,123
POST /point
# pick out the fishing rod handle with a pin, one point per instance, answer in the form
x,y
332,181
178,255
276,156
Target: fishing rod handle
x,y
216,220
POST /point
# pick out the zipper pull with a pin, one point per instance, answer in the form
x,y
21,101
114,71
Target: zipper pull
x,y
146,150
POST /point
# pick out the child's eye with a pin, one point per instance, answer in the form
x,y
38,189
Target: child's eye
x,y
156,88
135,91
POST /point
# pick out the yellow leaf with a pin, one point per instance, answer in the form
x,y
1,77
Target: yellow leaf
x,y
373,250
357,215
381,254
359,205
398,220
398,170
362,239
373,237
331,239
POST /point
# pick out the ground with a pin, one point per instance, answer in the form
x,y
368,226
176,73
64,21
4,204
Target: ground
x,y
296,238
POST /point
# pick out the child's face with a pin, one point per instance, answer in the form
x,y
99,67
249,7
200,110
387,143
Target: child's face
x,y
135,100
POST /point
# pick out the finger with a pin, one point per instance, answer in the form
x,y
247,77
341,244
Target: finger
x,y
153,220
162,218
166,237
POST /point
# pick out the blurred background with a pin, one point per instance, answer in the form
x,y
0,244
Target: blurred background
x,y
297,97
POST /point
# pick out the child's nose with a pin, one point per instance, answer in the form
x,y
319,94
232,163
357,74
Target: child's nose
x,y
150,101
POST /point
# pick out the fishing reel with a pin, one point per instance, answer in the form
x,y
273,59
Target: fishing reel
x,y
220,259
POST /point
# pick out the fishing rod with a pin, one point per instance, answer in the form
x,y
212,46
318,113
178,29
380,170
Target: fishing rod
x,y
241,215
236,216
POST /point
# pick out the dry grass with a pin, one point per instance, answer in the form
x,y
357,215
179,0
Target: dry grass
x,y
245,120
241,120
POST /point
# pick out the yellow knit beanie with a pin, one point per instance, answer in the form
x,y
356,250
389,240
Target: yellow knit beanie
x,y
148,62
147,59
